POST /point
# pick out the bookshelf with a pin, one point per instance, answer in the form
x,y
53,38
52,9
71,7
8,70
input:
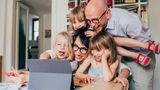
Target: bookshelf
x,y
137,6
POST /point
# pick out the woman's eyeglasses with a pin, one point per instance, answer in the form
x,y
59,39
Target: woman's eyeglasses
x,y
83,50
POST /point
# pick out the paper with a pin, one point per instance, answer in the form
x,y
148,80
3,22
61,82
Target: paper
x,y
9,86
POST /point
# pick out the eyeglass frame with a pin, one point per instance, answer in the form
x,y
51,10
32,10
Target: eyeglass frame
x,y
78,48
97,19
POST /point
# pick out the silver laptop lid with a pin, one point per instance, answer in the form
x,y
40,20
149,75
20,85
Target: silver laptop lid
x,y
49,74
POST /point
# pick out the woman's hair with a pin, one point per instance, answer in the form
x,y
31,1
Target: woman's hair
x,y
104,40
77,13
81,34
69,43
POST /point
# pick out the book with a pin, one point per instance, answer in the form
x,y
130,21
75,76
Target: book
x,y
129,1
144,15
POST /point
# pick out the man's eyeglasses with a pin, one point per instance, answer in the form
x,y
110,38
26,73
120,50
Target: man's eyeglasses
x,y
83,50
95,20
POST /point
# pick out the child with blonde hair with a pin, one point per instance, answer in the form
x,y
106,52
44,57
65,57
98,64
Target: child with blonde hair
x,y
62,49
102,62
77,20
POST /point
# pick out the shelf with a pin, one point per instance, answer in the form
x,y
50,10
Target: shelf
x,y
136,6
125,4
144,3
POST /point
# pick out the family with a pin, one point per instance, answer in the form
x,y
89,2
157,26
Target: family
x,y
99,36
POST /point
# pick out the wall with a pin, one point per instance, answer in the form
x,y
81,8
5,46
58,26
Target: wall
x,y
2,25
59,14
9,37
46,25
154,22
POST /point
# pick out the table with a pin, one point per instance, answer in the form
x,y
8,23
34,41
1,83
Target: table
x,y
99,85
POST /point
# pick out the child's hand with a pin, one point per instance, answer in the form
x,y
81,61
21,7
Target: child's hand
x,y
106,54
88,79
20,77
90,33
13,73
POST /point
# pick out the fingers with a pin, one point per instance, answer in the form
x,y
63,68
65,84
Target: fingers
x,y
119,80
12,68
115,80
125,88
107,52
123,81
89,33
14,71
88,79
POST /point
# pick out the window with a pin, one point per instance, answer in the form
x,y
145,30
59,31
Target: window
x,y
35,30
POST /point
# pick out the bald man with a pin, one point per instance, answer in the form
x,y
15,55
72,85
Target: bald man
x,y
122,23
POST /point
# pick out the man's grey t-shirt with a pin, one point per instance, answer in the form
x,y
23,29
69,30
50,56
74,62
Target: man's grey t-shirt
x,y
128,25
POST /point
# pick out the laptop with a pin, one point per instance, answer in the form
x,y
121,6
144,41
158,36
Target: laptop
x,y
49,74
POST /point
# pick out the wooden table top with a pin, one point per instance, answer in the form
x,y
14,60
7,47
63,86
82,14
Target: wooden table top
x,y
98,85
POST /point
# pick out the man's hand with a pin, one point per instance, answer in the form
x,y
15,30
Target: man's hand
x,y
123,81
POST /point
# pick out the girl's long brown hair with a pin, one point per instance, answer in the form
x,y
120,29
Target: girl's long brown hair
x,y
104,40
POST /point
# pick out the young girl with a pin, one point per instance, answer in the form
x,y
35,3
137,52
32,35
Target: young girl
x,y
102,62
78,20
62,49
